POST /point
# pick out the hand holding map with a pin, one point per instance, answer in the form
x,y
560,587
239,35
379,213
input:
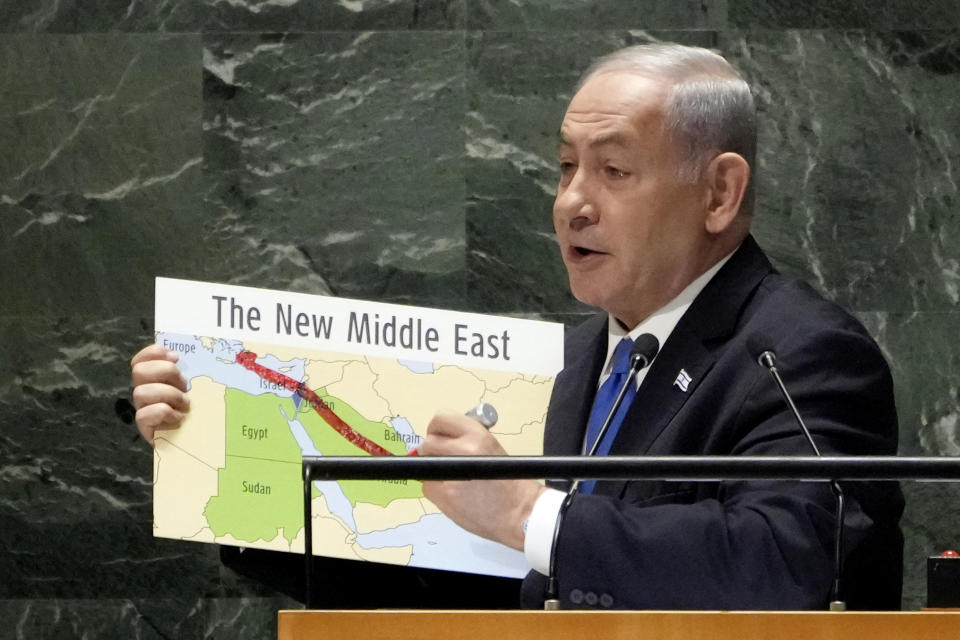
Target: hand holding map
x,y
158,390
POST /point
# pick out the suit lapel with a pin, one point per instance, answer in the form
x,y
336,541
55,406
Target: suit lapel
x,y
574,389
691,348
659,399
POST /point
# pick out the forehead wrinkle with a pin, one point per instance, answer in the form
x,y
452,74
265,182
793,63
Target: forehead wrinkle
x,y
615,115
614,137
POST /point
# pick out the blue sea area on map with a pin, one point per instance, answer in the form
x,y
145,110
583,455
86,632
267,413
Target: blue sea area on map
x,y
337,502
418,367
403,427
439,543
219,363
299,432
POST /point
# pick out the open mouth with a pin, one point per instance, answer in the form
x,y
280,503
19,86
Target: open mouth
x,y
583,252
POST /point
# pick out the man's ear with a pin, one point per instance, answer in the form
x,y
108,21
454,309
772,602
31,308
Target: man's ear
x,y
727,177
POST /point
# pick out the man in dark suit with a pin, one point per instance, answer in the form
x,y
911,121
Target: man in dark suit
x,y
652,216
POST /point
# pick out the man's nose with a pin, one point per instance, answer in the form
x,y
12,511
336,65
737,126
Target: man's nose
x,y
575,204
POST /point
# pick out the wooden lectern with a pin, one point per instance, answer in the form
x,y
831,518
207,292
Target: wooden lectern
x,y
618,625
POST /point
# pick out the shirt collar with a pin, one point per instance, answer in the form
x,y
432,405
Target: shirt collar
x,y
661,322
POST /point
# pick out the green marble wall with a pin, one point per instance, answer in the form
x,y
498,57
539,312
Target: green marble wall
x,y
401,151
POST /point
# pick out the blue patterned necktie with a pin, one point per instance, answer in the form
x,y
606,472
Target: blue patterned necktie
x,y
603,402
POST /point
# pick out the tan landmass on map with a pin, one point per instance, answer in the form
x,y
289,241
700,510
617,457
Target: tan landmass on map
x,y
203,431
418,396
204,535
529,442
496,380
320,373
429,507
519,404
182,485
372,517
357,389
393,555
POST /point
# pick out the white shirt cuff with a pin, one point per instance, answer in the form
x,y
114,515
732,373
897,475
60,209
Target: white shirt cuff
x,y
539,527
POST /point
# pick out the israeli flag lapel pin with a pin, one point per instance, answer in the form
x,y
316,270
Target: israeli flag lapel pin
x,y
683,380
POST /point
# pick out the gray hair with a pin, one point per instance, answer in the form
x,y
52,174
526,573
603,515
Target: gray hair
x,y
709,107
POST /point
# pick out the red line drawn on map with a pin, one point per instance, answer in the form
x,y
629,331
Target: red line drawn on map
x,y
247,359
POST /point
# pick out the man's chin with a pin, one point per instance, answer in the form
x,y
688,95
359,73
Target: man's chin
x,y
608,302
590,296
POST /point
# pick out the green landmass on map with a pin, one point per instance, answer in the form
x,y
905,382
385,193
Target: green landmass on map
x,y
333,444
257,499
260,487
256,427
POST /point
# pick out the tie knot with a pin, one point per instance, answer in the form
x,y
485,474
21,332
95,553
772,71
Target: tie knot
x,y
621,357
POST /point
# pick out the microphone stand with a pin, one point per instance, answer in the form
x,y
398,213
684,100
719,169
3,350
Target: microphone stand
x,y
767,359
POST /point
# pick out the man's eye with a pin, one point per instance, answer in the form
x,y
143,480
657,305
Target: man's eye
x,y
566,167
614,172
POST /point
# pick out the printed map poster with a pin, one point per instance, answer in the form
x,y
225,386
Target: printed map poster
x,y
264,367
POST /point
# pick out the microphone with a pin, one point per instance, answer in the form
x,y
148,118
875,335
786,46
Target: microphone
x,y
644,349
767,359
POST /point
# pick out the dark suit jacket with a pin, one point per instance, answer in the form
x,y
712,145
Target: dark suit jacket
x,y
732,545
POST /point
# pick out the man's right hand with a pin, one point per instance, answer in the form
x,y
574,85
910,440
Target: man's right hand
x,y
158,390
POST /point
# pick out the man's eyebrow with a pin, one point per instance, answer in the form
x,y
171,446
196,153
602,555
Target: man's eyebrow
x,y
617,138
